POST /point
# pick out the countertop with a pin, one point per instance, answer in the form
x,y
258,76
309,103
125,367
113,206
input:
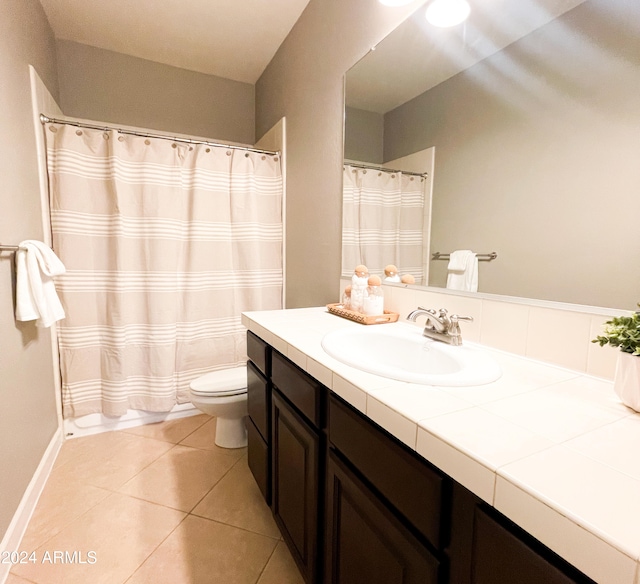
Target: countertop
x,y
552,449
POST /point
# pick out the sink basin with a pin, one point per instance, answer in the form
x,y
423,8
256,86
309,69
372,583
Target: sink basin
x,y
400,352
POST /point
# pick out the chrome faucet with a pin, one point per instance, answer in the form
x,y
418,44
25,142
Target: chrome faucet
x,y
440,326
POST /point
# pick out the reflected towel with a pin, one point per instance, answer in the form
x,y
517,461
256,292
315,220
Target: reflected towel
x,y
463,271
36,297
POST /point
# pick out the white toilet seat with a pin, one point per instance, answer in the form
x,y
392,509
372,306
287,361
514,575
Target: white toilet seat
x,y
225,382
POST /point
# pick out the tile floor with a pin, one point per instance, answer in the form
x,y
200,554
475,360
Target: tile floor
x,y
155,504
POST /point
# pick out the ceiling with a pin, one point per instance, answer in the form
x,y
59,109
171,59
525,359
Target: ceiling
x,y
418,56
235,39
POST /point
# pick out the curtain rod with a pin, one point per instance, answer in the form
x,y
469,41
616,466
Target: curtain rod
x,y
385,169
47,120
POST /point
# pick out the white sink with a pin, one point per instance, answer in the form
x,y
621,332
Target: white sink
x,y
399,351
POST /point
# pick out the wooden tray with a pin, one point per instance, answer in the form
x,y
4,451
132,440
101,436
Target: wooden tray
x,y
339,310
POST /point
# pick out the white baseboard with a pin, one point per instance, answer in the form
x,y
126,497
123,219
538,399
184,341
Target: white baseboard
x,y
96,423
17,527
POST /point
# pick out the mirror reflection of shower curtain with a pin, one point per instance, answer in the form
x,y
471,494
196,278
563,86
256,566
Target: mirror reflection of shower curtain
x,y
382,221
165,244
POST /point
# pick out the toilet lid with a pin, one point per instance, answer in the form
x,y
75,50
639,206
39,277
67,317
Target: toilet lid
x,y
224,382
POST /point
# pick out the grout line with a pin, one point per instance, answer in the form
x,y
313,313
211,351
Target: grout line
x,y
156,548
213,486
266,563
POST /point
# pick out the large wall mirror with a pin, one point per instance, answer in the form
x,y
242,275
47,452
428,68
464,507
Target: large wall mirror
x,y
526,123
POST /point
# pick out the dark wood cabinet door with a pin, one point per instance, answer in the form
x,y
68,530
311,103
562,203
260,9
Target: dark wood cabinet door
x,y
365,542
296,484
258,460
504,553
258,400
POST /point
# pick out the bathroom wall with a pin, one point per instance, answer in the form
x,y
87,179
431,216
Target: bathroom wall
x,y
364,136
97,84
28,418
304,82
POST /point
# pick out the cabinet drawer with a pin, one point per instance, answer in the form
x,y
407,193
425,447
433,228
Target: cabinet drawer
x,y
408,483
502,552
302,390
258,460
259,352
258,400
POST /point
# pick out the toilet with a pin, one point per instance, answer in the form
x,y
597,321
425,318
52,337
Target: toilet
x,y
223,394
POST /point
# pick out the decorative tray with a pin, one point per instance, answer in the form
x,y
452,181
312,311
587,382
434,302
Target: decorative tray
x,y
339,310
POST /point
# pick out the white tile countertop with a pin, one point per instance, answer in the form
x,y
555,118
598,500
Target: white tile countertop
x,y
550,448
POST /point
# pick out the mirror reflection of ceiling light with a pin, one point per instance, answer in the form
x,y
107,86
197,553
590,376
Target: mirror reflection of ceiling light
x,y
446,13
442,13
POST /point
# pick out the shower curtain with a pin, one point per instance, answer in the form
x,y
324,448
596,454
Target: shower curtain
x,y
165,244
382,221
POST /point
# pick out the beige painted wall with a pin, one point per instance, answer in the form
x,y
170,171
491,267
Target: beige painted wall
x,y
540,162
304,82
97,84
28,417
363,136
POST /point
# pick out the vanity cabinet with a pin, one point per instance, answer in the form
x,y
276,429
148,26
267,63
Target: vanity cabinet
x,y
355,505
298,453
259,409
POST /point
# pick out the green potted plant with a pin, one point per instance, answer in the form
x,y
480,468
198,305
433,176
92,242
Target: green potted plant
x,y
624,332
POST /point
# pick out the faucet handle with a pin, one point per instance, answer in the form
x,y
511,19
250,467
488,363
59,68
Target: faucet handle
x,y
457,317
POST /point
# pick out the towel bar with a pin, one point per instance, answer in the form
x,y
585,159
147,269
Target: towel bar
x,y
483,257
9,247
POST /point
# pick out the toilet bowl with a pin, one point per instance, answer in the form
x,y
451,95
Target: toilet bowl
x,y
223,394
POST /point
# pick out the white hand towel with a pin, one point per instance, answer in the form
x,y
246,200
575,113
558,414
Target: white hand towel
x,y
36,297
463,271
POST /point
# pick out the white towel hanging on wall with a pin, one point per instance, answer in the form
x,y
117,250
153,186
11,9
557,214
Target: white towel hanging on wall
x,y
36,296
463,271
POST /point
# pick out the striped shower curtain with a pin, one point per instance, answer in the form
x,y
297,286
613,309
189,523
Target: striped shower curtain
x,y
165,244
382,221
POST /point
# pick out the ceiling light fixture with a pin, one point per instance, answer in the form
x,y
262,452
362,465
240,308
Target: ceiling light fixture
x,y
445,13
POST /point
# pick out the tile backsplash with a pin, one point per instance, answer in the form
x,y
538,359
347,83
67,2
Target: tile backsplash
x,y
545,331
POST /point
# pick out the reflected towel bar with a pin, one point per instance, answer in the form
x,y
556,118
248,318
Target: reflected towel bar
x,y
483,257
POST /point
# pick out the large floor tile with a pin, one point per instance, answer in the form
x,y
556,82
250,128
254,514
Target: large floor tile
x,y
113,461
204,438
62,502
179,478
97,445
237,500
201,551
172,430
13,579
122,532
281,568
